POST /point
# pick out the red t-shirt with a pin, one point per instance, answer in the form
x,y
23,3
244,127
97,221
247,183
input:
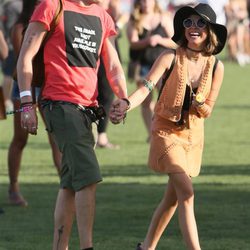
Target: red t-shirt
x,y
71,55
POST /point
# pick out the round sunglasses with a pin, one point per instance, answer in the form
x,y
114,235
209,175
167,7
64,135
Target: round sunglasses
x,y
200,23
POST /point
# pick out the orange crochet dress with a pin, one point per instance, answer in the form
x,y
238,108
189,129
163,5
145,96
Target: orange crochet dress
x,y
178,148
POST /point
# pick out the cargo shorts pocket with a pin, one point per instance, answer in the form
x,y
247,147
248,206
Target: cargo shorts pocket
x,y
48,126
54,122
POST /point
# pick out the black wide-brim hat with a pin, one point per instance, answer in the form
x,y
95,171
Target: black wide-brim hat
x,y
207,14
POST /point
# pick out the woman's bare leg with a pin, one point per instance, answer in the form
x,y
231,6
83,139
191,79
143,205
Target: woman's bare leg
x,y
161,218
185,195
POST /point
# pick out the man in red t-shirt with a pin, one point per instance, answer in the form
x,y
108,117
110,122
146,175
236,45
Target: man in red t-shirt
x,y
71,56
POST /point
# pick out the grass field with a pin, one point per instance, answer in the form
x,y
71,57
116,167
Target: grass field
x,y
129,193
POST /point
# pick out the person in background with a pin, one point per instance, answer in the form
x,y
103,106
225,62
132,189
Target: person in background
x,y
174,5
85,33
188,96
106,95
149,33
10,12
219,8
3,44
238,32
3,54
248,8
20,136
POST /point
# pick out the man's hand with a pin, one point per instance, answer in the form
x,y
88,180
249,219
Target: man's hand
x,y
29,119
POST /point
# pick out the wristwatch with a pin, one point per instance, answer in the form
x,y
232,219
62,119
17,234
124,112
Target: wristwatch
x,y
200,99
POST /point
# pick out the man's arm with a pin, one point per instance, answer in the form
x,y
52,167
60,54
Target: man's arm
x,y
32,41
113,67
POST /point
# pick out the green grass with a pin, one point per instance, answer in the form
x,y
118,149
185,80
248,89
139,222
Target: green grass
x,y
129,193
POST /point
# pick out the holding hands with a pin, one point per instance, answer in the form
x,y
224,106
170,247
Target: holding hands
x,y
119,110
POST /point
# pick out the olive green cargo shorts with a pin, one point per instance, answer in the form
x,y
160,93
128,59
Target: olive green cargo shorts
x,y
72,131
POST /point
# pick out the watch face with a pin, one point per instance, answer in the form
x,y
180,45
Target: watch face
x,y
199,98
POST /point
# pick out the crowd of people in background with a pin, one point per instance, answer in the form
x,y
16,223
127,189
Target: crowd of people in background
x,y
232,13
9,11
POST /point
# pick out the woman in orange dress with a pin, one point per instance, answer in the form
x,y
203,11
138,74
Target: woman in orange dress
x,y
187,97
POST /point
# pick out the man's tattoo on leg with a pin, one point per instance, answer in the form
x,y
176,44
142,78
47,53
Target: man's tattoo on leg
x,y
60,232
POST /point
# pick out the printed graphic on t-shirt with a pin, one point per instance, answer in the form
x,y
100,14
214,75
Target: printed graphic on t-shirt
x,y
83,37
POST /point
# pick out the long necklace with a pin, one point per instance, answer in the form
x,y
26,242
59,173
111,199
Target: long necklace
x,y
190,82
182,76
202,81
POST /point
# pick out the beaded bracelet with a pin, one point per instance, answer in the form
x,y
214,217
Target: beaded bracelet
x,y
148,84
27,108
128,107
128,102
25,104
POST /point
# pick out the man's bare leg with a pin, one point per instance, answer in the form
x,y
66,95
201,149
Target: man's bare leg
x,y
85,213
64,216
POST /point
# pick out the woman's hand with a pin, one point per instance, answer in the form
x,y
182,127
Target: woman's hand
x,y
154,40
